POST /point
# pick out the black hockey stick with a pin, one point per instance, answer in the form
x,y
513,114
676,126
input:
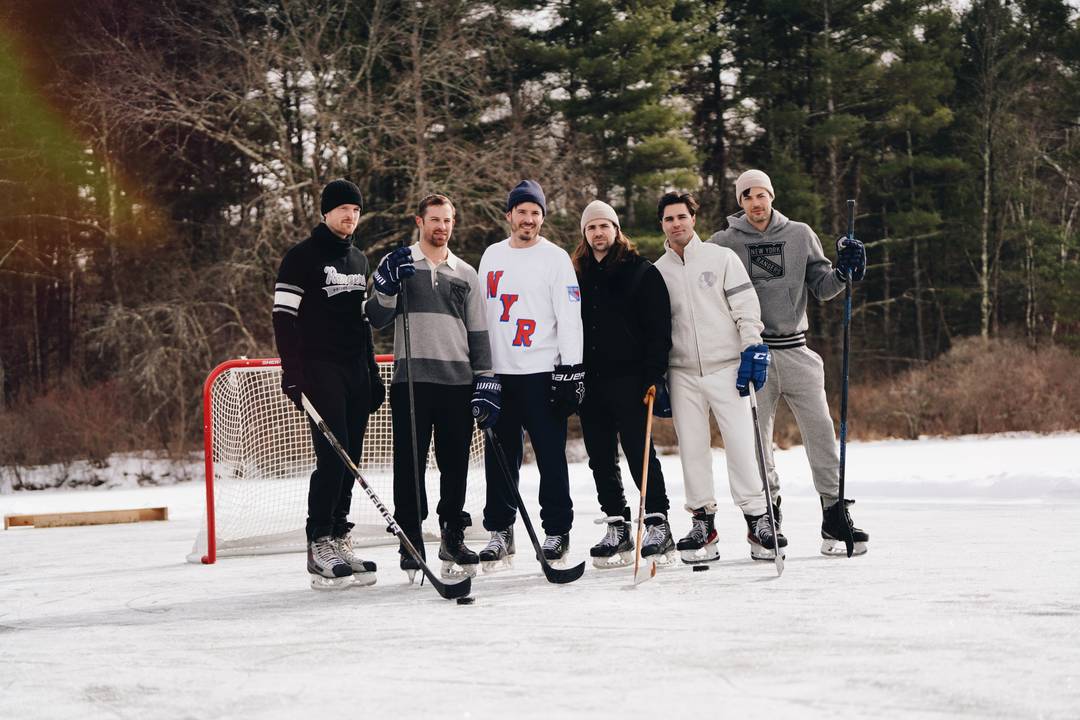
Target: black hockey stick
x,y
412,408
778,556
553,574
450,591
849,538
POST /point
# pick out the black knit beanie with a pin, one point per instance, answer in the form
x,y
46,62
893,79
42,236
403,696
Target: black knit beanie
x,y
340,192
527,191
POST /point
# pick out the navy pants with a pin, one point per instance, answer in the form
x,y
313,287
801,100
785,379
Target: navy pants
x,y
613,414
526,407
339,392
444,409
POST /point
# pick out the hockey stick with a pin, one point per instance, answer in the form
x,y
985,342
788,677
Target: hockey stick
x,y
649,396
450,591
849,538
553,574
412,410
759,447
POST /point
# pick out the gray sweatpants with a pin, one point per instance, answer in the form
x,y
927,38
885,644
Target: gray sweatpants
x,y
798,376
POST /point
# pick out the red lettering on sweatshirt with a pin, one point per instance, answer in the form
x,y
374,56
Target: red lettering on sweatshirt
x,y
525,329
493,278
507,301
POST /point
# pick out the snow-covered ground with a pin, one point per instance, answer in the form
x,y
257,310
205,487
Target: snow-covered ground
x,y
968,605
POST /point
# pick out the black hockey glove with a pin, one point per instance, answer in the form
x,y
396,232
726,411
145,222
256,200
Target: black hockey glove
x,y
753,368
293,384
394,268
567,389
850,258
486,401
662,401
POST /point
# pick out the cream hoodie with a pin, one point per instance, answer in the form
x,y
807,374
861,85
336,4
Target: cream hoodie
x,y
714,310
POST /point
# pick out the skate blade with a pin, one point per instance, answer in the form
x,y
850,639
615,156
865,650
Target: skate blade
x,y
666,559
760,552
837,548
318,582
494,566
709,553
411,574
558,563
452,571
363,579
622,559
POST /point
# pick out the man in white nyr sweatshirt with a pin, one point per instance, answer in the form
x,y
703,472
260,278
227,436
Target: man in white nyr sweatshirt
x,y
716,353
533,306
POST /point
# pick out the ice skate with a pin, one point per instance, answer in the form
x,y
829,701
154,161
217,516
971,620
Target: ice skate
x,y
499,552
407,563
834,519
326,568
699,546
556,549
363,570
763,540
658,546
616,549
458,560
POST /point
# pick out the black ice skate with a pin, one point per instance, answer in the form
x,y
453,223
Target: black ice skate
x,y
499,553
833,521
763,540
556,548
458,560
699,545
363,570
658,546
408,564
326,568
616,549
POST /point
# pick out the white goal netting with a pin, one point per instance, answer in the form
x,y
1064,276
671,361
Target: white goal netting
x,y
259,458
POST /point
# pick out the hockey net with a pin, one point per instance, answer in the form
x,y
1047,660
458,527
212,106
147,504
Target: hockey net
x,y
259,458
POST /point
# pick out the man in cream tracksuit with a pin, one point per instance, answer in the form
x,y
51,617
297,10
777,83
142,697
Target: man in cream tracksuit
x,y
716,353
785,262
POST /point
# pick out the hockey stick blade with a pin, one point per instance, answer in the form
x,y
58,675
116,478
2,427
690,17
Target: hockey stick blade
x,y
642,577
450,591
553,574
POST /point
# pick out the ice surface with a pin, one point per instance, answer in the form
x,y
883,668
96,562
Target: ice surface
x,y
968,605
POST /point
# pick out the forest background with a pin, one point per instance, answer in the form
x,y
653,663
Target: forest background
x,y
157,159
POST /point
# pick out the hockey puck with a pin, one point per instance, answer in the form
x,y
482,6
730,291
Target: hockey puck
x,y
698,568
466,600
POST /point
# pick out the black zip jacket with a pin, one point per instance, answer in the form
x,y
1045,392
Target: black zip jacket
x,y
626,314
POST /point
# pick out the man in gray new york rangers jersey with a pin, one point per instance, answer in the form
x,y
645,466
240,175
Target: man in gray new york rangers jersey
x,y
786,263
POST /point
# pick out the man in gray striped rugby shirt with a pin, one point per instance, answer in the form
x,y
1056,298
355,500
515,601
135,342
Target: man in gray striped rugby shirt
x,y
451,372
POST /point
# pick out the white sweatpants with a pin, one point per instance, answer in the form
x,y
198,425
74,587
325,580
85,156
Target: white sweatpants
x,y
692,396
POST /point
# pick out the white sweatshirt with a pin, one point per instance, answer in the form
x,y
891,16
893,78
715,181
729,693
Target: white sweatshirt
x,y
715,313
533,307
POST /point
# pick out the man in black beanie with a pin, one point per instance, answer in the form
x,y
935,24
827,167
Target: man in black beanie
x,y
326,354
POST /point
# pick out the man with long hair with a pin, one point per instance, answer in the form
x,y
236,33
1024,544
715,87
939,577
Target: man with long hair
x,y
626,317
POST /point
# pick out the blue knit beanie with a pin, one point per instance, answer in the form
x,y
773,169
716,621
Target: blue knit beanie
x,y
527,191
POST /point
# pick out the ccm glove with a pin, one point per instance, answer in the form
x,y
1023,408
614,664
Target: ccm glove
x,y
850,258
394,268
293,384
662,402
567,389
486,401
753,368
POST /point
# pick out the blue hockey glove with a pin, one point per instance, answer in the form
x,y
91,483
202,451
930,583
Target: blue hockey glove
x,y
567,389
394,268
753,368
662,401
486,399
850,258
